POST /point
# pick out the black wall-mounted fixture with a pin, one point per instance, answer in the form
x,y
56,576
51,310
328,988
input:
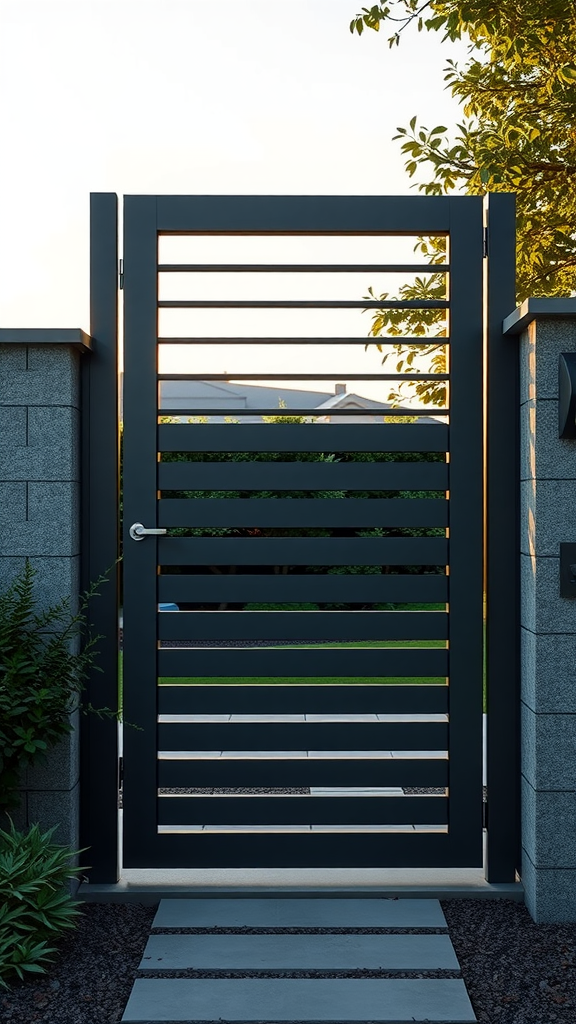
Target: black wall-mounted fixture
x,y
568,570
567,394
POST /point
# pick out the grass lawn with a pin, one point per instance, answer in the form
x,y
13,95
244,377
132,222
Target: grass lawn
x,y
321,680
315,680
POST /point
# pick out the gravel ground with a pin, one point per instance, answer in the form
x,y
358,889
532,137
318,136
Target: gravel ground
x,y
516,972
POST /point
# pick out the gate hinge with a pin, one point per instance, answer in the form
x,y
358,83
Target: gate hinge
x,y
121,273
485,243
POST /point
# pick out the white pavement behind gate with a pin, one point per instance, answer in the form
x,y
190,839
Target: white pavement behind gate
x,y
251,994
321,753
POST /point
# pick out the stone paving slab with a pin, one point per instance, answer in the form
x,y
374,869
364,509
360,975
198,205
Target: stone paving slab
x,y
299,913
392,1000
299,952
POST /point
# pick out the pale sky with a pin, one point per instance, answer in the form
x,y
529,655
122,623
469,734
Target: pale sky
x,y
153,96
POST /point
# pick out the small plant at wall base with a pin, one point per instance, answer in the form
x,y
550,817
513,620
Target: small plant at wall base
x,y
45,658
35,906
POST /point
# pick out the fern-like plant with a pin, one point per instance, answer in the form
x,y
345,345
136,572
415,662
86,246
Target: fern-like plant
x,y
35,906
45,658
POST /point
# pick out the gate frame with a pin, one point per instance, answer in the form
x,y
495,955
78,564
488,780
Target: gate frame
x,y
99,814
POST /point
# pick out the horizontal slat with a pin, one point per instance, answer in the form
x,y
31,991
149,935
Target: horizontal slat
x,y
303,736
316,810
303,476
368,414
303,304
315,849
302,625
277,588
337,662
260,375
227,512
196,340
302,551
279,699
224,772
302,437
303,268
410,216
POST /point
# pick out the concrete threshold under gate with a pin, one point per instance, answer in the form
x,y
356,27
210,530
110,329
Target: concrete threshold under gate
x,y
153,884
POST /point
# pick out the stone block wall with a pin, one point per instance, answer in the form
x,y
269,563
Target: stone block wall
x,y
40,520
548,621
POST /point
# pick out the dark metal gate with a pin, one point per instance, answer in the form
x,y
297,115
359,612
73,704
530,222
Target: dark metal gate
x,y
251,748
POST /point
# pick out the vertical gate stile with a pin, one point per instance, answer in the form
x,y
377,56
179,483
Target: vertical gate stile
x,y
140,558
99,542
503,545
466,529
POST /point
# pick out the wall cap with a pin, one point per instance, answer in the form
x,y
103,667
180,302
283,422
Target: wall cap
x,y
532,309
72,336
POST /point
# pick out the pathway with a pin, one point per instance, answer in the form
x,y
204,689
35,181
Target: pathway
x,y
286,960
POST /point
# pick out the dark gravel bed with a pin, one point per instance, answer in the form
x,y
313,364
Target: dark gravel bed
x,y
219,930
516,972
236,791
363,972
91,977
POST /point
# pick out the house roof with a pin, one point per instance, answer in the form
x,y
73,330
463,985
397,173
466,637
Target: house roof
x,y
229,397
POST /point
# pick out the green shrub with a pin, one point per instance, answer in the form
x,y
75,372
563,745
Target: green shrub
x,y
45,659
35,906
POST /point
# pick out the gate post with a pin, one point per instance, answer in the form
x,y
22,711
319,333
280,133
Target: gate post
x,y
100,494
501,582
547,328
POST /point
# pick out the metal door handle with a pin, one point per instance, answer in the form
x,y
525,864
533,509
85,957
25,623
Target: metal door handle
x,y
138,532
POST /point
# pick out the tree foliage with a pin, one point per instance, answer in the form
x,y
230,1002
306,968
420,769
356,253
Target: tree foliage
x,y
517,89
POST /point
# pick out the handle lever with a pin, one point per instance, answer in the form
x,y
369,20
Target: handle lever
x,y
138,532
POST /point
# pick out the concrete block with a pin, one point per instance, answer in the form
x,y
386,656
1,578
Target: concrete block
x,y
10,567
548,746
299,913
54,510
60,360
47,450
13,432
548,827
549,893
40,462
53,500
13,358
543,455
13,503
301,999
56,579
57,807
547,515
60,770
299,952
548,671
39,539
539,349
37,388
542,608
49,377
52,425
18,815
